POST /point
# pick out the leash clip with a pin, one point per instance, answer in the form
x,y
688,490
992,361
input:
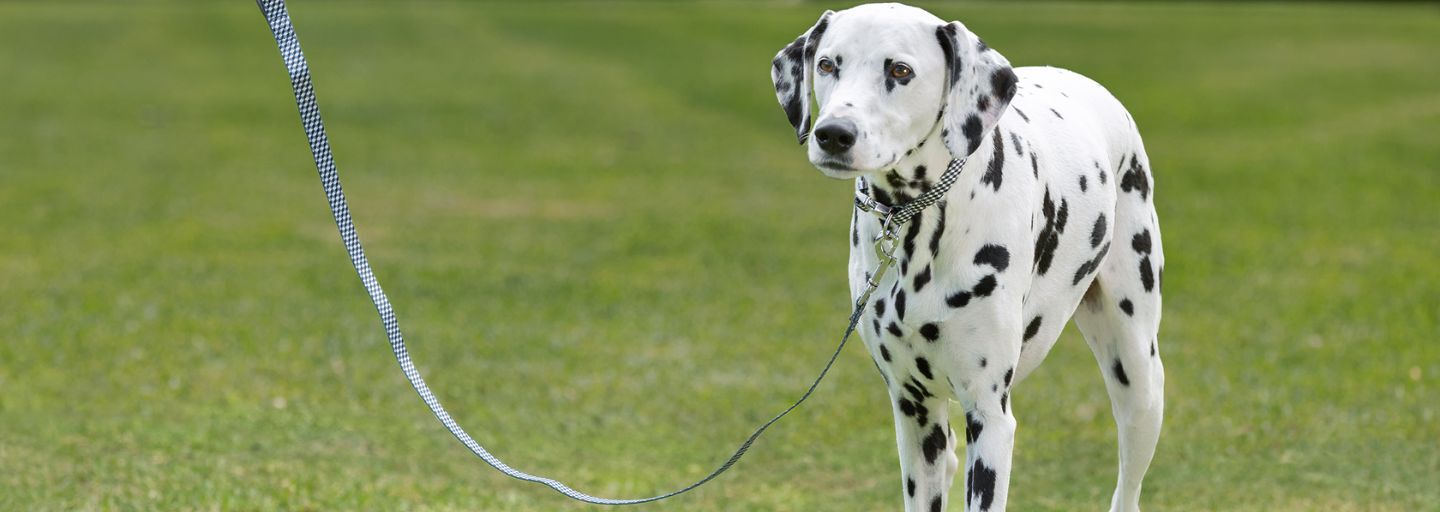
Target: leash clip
x,y
885,244
869,204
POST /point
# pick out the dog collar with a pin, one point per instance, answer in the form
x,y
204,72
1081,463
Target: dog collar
x,y
893,217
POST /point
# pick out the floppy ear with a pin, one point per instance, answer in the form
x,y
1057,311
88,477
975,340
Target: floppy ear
x,y
981,86
791,71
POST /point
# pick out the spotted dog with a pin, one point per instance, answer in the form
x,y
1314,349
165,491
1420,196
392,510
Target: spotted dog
x,y
1057,178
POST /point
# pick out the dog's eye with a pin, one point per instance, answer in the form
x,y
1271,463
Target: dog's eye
x,y
900,71
825,66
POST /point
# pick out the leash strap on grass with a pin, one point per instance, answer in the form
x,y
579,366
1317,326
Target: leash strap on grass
x,y
279,20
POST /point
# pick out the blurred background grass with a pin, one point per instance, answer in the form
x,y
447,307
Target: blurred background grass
x,y
612,261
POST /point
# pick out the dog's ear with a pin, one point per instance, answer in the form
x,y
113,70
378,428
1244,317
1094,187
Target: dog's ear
x,y
791,71
981,84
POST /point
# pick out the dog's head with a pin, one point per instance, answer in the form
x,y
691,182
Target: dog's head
x,y
884,76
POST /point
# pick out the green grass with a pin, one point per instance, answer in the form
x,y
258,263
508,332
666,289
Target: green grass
x,y
612,261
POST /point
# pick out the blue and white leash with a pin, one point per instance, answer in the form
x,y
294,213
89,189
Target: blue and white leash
x,y
279,19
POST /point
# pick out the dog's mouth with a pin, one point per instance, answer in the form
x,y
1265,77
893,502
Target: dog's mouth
x,y
836,168
843,169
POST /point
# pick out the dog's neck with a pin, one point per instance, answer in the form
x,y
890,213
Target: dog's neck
x,y
918,171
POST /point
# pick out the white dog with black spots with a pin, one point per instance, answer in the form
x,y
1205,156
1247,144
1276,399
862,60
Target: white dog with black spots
x,y
1057,178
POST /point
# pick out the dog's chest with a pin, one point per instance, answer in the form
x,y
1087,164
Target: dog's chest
x,y
998,244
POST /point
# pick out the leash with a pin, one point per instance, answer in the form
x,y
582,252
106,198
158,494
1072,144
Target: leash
x,y
278,18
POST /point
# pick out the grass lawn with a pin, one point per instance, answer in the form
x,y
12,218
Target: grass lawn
x,y
612,261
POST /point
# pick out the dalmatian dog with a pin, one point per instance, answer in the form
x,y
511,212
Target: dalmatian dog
x,y
1057,178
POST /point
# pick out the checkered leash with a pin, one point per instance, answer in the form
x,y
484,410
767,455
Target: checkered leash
x,y
279,19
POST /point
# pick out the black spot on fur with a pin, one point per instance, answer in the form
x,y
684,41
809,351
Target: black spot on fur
x,y
985,286
939,231
1120,376
1004,398
1062,216
884,353
930,331
910,234
922,278
1141,243
1015,141
914,410
1034,165
1152,348
894,329
900,305
1010,373
1049,239
879,308
993,173
1097,233
894,179
983,362
1091,266
933,444
1032,329
1057,114
918,389
881,196
1083,186
1003,83
1135,179
971,130
910,487
1127,307
1022,114
981,484
935,504
973,427
994,255
923,365
945,34
812,43
983,103
957,300
914,391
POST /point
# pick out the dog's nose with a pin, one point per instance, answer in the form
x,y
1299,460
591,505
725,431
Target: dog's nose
x,y
835,136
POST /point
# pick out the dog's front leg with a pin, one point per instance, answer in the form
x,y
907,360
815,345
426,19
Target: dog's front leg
x,y
984,393
990,437
926,442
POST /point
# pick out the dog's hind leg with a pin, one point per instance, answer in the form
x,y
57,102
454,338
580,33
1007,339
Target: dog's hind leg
x,y
1135,378
1120,318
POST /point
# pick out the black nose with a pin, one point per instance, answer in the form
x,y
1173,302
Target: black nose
x,y
835,136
